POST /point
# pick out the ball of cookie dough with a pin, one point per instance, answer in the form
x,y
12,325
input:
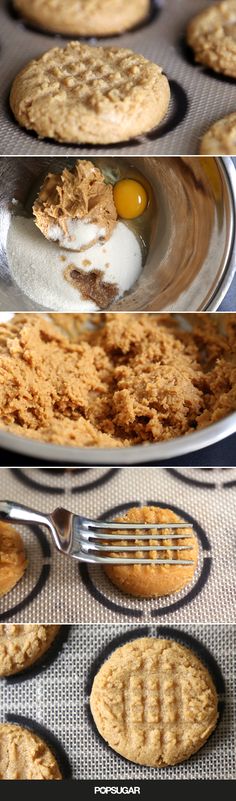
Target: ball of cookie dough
x,y
212,36
13,560
84,18
148,581
92,95
23,645
154,702
23,755
220,139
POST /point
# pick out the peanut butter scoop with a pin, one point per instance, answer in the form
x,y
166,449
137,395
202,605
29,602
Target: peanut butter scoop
x,y
76,207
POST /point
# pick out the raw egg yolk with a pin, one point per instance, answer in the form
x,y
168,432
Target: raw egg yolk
x,y
130,199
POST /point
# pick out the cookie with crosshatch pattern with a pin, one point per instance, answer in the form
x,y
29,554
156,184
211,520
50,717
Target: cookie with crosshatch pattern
x,y
21,645
154,702
91,95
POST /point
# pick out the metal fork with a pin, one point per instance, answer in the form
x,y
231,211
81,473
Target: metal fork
x,y
87,540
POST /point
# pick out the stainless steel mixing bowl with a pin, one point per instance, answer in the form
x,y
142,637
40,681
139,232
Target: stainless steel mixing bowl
x,y
192,255
137,454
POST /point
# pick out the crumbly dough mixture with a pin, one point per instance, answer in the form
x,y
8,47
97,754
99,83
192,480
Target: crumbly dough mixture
x,y
77,194
22,645
13,561
148,581
23,755
154,702
132,378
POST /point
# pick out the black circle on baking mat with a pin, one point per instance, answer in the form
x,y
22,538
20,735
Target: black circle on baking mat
x,y
35,483
180,475
49,738
42,579
47,659
175,115
155,9
167,632
165,609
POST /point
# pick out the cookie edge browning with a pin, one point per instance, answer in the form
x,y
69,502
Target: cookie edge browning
x,y
38,741
95,710
110,26
34,659
116,572
141,113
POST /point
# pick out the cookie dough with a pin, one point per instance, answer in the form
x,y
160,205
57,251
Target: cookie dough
x,y
154,702
212,35
148,581
92,95
23,755
13,560
76,207
22,645
125,379
84,18
220,140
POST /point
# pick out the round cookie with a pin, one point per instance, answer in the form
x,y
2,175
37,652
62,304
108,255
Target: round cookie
x,y
92,95
84,18
23,755
148,581
220,139
212,35
154,702
13,560
22,645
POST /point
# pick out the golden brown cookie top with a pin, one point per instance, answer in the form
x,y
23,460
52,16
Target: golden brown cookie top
x,y
154,702
77,194
154,580
85,18
212,35
13,560
23,755
23,644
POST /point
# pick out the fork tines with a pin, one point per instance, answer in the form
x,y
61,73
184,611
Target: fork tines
x,y
105,532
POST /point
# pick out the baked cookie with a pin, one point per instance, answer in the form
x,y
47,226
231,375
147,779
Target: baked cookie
x,y
84,18
212,35
13,560
154,702
23,755
92,95
22,645
220,140
148,581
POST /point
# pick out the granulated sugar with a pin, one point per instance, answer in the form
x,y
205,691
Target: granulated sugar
x,y
37,266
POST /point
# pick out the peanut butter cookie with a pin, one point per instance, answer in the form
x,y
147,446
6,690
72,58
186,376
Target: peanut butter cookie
x,y
23,755
220,140
22,645
92,95
154,702
212,35
147,581
13,560
84,18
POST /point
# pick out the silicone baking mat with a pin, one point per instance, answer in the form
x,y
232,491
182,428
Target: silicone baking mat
x,y
57,589
199,96
54,701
